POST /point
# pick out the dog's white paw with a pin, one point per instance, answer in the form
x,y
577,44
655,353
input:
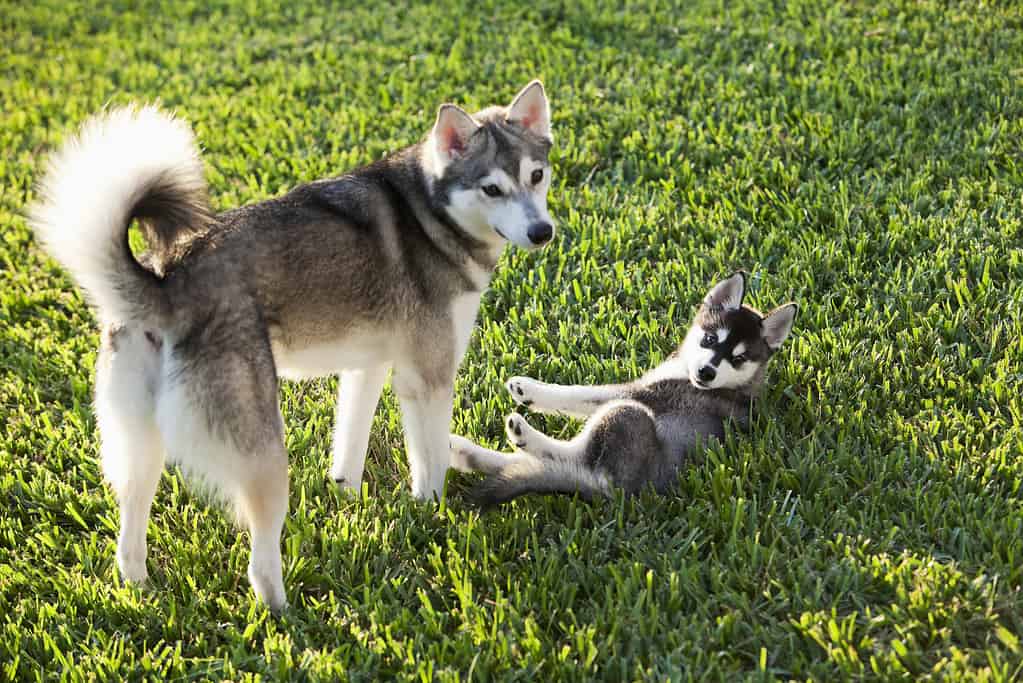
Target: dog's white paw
x,y
132,566
346,478
268,585
524,390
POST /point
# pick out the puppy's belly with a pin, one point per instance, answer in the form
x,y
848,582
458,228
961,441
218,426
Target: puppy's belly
x,y
299,360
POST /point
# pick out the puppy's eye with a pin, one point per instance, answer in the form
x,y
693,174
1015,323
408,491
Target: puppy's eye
x,y
537,176
709,340
492,190
739,360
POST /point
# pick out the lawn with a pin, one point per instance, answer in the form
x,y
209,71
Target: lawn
x,y
860,158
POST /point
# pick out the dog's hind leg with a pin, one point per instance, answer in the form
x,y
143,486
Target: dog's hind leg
x,y
131,451
358,394
263,505
221,422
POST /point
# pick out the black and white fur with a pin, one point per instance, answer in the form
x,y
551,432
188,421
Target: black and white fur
x,y
380,268
641,433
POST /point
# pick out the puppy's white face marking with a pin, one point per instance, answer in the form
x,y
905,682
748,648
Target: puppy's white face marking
x,y
729,377
695,355
726,375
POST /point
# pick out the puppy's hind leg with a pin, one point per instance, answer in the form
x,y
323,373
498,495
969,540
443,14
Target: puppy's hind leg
x,y
620,438
131,450
467,456
525,438
621,441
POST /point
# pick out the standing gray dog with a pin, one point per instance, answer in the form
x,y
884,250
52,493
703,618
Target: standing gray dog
x,y
638,434
380,268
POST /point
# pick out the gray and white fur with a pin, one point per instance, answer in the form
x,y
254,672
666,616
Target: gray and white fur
x,y
638,434
380,268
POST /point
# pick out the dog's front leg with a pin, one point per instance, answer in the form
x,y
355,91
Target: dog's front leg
x,y
426,416
357,397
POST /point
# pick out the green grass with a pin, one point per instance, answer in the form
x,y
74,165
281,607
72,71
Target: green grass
x,y
860,158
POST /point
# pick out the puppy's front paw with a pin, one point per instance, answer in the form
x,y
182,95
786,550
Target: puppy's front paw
x,y
523,390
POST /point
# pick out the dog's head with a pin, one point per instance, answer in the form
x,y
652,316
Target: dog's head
x,y
729,343
490,170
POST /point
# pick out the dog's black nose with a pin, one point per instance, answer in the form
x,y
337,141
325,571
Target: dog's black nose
x,y
707,373
540,233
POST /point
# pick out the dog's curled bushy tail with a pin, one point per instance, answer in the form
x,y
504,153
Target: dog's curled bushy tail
x,y
124,164
540,476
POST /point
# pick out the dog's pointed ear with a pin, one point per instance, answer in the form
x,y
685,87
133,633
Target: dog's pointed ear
x,y
728,294
778,324
530,110
449,138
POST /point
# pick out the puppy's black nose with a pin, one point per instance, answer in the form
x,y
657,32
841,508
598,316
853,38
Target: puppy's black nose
x,y
707,373
540,233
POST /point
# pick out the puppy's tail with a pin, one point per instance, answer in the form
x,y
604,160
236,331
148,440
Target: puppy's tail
x,y
534,475
124,164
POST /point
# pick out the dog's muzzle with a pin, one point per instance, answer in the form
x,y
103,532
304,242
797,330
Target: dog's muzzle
x,y
540,233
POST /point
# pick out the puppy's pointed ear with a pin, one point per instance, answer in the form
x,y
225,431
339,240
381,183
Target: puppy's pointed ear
x,y
778,324
728,294
449,138
530,110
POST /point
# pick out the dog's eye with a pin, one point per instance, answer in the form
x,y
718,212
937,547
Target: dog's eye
x,y
537,176
739,360
492,190
709,340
